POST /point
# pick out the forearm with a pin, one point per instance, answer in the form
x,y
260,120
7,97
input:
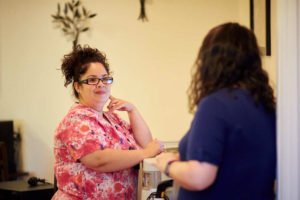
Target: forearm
x,y
110,160
193,175
141,131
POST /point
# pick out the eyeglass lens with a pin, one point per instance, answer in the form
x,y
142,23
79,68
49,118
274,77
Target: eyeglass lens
x,y
95,81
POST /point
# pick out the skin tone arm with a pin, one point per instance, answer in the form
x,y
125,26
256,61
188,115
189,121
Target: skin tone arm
x,y
191,175
140,129
109,160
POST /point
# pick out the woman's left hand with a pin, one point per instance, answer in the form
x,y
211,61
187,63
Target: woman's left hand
x,y
119,104
163,158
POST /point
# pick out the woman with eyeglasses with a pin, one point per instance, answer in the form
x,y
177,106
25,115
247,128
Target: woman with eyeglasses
x,y
230,150
96,150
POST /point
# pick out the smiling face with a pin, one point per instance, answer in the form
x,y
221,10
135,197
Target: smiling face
x,y
94,96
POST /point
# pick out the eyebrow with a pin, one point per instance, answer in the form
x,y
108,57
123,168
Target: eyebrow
x,y
94,76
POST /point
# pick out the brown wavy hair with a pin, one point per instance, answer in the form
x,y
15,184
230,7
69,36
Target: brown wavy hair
x,y
229,57
76,63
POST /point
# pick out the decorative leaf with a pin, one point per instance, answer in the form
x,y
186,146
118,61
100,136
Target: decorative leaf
x,y
61,21
57,17
54,16
66,24
84,11
77,3
58,9
69,19
66,9
77,14
70,6
92,15
85,29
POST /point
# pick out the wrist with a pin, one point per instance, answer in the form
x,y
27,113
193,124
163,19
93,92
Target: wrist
x,y
145,153
132,109
167,168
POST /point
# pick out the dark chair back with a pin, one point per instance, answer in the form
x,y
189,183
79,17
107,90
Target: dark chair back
x,y
4,176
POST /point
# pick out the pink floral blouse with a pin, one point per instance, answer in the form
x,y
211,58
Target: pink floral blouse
x,y
81,132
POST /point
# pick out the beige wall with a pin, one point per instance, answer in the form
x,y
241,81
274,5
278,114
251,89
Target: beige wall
x,y
151,63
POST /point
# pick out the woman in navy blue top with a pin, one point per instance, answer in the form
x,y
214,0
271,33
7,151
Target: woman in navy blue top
x,y
230,150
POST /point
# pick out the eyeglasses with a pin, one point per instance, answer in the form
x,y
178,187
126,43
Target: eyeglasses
x,y
95,81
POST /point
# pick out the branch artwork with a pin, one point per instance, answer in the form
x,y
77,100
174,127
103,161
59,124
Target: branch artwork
x,y
143,15
73,20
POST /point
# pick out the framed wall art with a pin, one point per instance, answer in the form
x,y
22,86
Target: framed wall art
x,y
260,23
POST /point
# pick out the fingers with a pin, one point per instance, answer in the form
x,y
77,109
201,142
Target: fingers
x,y
112,106
160,144
162,147
114,103
119,104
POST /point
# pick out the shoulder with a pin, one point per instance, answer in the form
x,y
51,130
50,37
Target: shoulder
x,y
80,120
82,112
76,116
212,102
226,96
222,102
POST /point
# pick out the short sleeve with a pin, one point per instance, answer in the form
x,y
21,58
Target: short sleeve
x,y
207,134
79,137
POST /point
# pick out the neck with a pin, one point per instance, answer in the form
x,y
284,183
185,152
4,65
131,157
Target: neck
x,y
97,107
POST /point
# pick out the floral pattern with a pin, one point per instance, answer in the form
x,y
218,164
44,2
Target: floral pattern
x,y
83,131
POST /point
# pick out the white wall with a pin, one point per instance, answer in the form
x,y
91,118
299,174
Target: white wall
x,y
288,120
151,63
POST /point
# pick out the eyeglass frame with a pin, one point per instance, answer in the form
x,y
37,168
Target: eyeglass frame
x,y
86,81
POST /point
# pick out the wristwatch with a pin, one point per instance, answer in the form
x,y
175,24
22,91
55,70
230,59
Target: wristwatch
x,y
167,169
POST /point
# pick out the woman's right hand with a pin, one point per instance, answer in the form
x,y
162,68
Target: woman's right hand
x,y
153,148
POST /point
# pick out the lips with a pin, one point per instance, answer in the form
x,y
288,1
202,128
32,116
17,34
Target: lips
x,y
100,92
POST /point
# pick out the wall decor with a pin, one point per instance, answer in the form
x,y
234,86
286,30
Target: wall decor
x,y
73,19
260,23
143,15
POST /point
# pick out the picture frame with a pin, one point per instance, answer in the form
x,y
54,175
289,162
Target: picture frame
x,y
260,23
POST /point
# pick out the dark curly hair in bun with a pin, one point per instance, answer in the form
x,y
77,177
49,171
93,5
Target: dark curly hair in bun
x,y
77,62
